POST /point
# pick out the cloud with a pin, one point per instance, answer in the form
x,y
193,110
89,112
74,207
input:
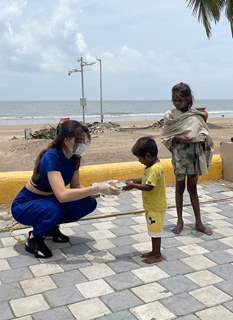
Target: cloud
x,y
40,42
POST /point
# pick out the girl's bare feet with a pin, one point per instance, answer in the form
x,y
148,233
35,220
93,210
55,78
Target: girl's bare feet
x,y
178,228
153,259
201,228
147,254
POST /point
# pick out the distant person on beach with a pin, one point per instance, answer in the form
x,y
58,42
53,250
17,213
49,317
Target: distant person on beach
x,y
186,135
45,202
153,190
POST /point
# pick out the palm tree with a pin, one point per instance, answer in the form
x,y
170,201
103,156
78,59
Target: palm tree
x,y
210,10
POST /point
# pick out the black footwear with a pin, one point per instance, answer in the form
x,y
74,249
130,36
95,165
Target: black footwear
x,y
57,236
38,248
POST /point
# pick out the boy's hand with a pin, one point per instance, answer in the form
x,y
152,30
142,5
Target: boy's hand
x,y
129,185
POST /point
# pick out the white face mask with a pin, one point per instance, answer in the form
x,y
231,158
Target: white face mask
x,y
80,149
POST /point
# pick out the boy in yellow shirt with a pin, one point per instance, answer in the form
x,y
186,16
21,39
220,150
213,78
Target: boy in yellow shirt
x,y
153,190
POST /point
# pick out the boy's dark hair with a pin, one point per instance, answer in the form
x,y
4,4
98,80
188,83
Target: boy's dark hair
x,y
145,145
184,91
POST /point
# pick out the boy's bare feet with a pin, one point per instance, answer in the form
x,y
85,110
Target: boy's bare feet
x,y
201,228
153,259
178,228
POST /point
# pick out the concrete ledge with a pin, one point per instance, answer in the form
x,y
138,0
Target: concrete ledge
x,y
12,182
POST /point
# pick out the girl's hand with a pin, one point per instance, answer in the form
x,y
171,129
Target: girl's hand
x,y
203,112
184,139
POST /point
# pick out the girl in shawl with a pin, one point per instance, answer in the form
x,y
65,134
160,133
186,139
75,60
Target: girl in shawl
x,y
186,135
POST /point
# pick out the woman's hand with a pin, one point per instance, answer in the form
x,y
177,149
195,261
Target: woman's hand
x,y
105,188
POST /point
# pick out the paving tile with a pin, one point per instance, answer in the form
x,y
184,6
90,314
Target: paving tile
x,y
223,231
22,261
13,276
189,317
224,271
123,231
63,296
102,256
28,305
24,318
37,285
123,265
97,271
76,251
74,263
101,234
215,245
10,291
226,286
193,249
123,241
198,262
4,265
151,292
142,246
153,310
123,281
95,288
104,225
189,239
150,274
178,284
8,252
45,269
5,311
210,296
54,314
229,305
124,250
221,257
121,300
215,313
175,267
227,241
182,304
89,309
173,254
69,278
122,315
100,245
204,278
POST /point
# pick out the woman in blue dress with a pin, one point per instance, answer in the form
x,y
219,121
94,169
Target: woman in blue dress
x,y
45,202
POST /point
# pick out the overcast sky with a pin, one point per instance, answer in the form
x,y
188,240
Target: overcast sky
x,y
146,47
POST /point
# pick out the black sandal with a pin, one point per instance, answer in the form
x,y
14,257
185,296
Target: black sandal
x,y
37,247
57,235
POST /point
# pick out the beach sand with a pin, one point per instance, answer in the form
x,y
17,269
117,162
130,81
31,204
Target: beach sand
x,y
18,154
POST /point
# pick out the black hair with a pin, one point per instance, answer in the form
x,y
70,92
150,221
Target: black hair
x,y
183,90
67,129
145,145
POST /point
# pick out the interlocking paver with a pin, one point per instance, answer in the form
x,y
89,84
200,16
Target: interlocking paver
x,y
63,296
29,305
151,292
218,312
37,285
152,310
61,313
99,273
89,309
121,300
123,281
210,296
182,304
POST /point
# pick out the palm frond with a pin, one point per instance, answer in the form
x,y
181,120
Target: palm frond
x,y
229,13
206,11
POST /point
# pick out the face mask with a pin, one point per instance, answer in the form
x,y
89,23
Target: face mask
x,y
80,149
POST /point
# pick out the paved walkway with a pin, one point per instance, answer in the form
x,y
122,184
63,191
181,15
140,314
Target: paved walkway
x,y
100,275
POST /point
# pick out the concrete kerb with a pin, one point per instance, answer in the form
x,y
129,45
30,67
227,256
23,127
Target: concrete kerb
x,y
12,182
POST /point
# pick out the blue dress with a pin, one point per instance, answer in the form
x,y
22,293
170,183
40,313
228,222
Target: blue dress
x,y
42,212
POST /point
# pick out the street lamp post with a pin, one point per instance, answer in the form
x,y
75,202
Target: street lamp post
x,y
101,92
82,100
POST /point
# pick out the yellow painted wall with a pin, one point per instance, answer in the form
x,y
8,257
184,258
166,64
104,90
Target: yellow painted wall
x,y
12,182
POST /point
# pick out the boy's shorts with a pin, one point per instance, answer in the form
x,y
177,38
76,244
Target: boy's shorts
x,y
155,223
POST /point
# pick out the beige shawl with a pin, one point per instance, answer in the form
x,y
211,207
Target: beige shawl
x,y
192,125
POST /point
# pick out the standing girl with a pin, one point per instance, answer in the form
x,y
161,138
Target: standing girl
x,y
186,135
45,202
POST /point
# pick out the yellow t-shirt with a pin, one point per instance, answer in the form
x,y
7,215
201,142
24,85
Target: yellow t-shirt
x,y
154,200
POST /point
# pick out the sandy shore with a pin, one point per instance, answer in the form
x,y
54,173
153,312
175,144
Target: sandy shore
x,y
111,146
